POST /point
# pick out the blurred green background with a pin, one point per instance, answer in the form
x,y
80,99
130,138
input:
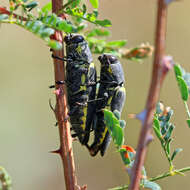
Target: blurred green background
x,y
27,123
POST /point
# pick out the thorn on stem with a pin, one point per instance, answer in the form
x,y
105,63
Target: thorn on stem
x,y
84,187
148,140
167,64
58,151
50,105
140,116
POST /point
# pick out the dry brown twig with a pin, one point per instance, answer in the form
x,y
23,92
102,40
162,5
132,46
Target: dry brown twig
x,y
162,64
65,150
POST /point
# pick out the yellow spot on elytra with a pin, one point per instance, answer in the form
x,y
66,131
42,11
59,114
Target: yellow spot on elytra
x,y
79,49
83,118
83,78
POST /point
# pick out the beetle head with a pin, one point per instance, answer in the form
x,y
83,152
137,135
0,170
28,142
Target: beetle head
x,y
71,39
107,59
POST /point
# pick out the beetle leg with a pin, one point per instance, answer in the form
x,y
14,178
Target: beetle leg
x,y
59,58
58,82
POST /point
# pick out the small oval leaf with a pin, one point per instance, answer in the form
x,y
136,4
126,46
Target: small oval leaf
x,y
169,132
177,70
122,123
158,134
116,44
157,123
31,5
183,88
118,135
114,128
104,23
176,151
117,114
168,146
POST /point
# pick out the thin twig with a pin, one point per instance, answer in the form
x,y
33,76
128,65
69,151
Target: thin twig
x,y
154,91
167,174
61,111
161,176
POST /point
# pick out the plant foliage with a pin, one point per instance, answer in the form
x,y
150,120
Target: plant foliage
x,y
73,18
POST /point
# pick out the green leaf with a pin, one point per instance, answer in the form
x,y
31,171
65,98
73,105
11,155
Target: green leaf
x,y
95,3
122,123
183,88
169,115
176,151
84,8
95,12
117,114
72,3
158,134
151,185
116,44
47,32
125,159
64,26
168,146
47,7
55,44
157,123
98,32
118,135
38,25
169,132
31,5
177,69
110,119
159,108
104,23
3,17
114,127
188,122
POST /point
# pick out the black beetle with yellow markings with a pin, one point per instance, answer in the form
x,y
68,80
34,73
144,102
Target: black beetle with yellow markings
x,y
81,86
111,95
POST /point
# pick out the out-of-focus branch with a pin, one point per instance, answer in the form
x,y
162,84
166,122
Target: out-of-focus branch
x,y
160,67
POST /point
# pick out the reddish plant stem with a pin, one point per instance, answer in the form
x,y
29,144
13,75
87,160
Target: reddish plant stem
x,y
61,111
154,91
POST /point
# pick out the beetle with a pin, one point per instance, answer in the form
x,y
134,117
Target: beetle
x,y
111,95
81,86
